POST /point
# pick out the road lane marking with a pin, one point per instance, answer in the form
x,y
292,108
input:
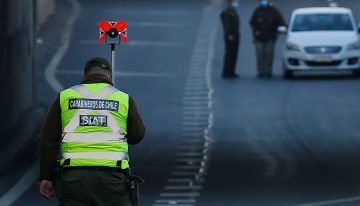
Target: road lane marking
x,y
149,12
185,187
173,205
197,113
179,194
30,175
332,202
187,180
175,201
271,164
21,186
152,24
154,43
120,74
190,154
193,117
156,24
137,43
194,123
50,71
187,167
187,173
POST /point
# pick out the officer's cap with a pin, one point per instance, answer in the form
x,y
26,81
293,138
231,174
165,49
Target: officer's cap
x,y
97,62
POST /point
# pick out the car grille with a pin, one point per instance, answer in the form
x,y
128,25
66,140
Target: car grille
x,y
323,49
320,64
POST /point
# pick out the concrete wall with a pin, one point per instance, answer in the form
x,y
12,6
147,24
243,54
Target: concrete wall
x,y
45,8
16,61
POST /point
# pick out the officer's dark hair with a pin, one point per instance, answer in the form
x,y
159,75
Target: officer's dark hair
x,y
97,65
98,70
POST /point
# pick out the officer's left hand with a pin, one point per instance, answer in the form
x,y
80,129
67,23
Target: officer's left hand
x,y
231,38
47,188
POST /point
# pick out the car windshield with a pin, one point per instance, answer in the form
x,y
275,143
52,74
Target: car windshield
x,y
322,22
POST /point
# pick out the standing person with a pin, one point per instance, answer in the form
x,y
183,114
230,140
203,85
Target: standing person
x,y
264,23
231,24
88,128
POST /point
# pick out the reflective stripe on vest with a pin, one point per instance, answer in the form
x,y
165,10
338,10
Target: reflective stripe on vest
x,y
93,148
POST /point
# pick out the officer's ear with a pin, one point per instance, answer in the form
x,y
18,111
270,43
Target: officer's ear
x,y
110,77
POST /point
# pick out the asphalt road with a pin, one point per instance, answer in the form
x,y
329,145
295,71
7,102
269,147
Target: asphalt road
x,y
210,141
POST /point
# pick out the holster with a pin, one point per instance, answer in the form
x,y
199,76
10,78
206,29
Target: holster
x,y
133,183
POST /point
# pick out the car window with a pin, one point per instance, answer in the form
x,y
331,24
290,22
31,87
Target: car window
x,y
322,22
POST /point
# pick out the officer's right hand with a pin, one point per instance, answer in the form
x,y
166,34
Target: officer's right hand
x,y
231,38
47,188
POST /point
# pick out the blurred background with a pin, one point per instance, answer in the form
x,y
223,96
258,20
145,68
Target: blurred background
x,y
209,141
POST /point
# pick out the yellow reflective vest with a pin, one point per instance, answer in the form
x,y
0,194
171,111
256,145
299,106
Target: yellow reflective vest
x,y
94,127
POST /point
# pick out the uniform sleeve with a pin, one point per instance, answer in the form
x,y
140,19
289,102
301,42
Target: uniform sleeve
x,y
225,19
135,125
279,18
50,140
253,22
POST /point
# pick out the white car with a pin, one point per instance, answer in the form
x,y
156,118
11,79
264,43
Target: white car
x,y
321,39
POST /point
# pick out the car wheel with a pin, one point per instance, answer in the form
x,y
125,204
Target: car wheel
x,y
288,74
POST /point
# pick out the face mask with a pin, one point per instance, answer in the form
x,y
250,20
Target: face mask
x,y
235,4
264,3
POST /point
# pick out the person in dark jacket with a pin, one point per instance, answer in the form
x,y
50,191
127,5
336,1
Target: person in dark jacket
x,y
264,23
96,170
231,23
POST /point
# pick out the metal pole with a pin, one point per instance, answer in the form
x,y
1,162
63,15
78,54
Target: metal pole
x,y
113,62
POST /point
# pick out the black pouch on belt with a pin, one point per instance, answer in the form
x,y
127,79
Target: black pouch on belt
x,y
134,182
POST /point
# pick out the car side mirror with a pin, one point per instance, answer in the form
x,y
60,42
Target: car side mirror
x,y
282,29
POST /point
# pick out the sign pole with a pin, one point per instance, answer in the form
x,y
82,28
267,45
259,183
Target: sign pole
x,y
113,31
113,62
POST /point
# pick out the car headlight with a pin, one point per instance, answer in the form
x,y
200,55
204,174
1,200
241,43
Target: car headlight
x,y
353,46
292,47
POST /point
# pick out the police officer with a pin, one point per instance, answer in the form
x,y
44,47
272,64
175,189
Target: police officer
x,y
231,23
264,23
86,132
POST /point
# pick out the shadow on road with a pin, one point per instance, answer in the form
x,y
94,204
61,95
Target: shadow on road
x,y
324,77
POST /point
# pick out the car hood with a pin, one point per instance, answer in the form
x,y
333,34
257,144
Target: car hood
x,y
322,38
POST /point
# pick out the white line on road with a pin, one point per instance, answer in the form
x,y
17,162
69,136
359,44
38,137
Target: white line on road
x,y
154,43
172,205
137,43
148,12
175,201
190,154
21,186
186,173
156,24
197,104
192,117
333,202
184,187
179,194
65,42
120,74
187,167
177,180
29,176
271,164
